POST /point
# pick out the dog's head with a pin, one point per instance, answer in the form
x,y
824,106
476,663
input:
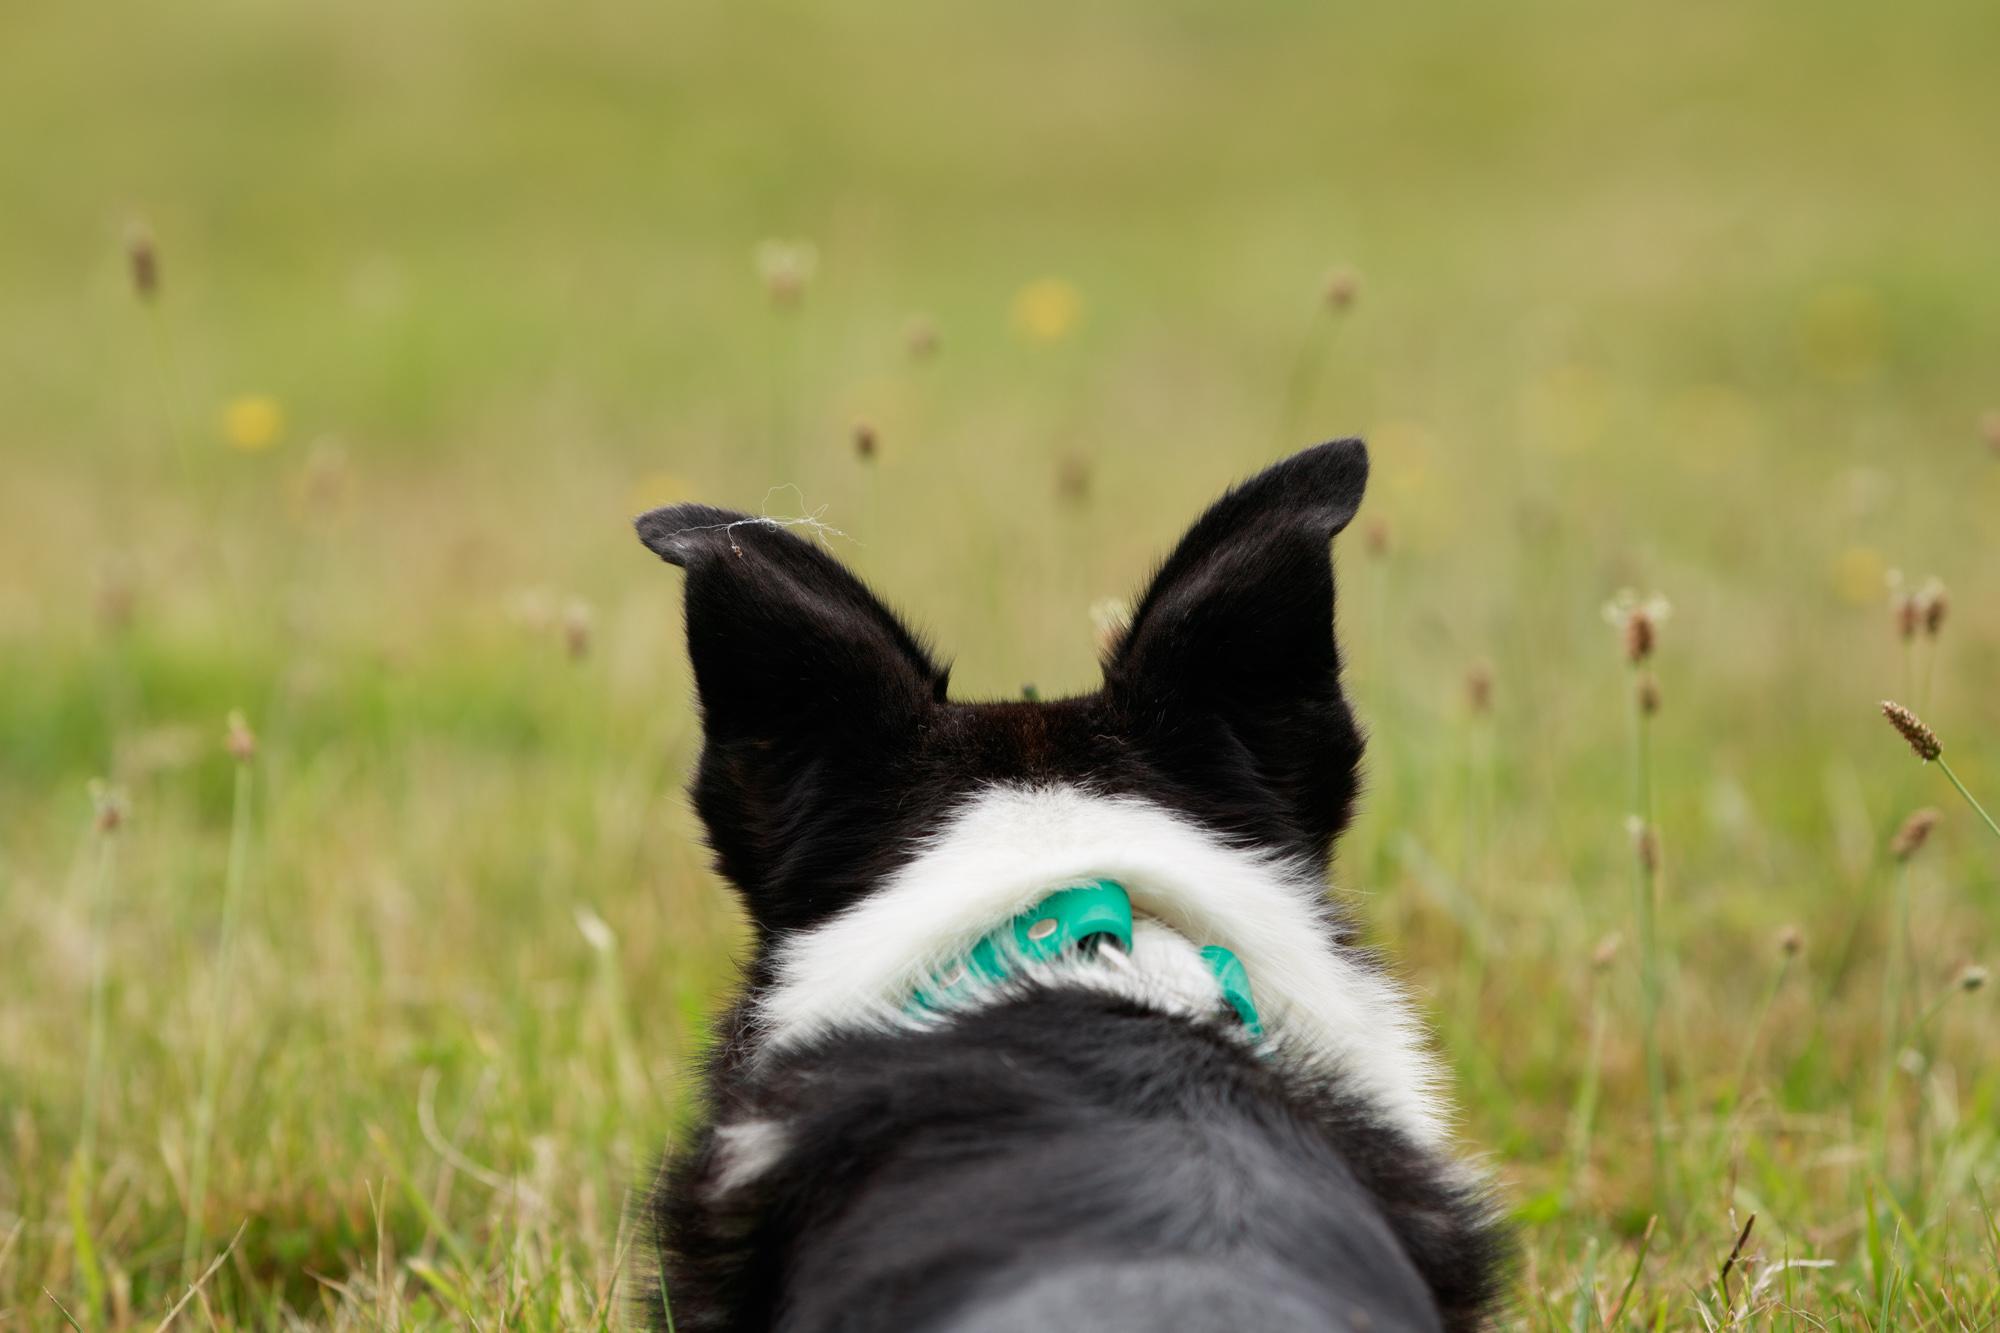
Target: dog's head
x,y
833,750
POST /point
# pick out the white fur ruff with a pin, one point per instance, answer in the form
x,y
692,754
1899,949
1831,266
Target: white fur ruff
x,y
1009,846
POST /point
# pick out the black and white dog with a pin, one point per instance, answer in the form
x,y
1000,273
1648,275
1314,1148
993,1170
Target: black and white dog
x,y
1050,1023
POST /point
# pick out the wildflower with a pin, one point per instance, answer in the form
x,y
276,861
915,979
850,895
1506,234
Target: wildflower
x,y
1109,616
116,596
252,422
1791,941
1645,843
1073,478
1342,286
1047,309
1479,688
920,338
1375,537
1971,977
864,441
576,629
532,608
1925,742
325,482
1607,949
1908,616
1637,621
145,261
108,806
1921,738
1910,837
1647,692
786,267
1935,604
240,741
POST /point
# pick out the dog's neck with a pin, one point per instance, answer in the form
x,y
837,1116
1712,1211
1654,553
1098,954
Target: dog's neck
x,y
1323,1004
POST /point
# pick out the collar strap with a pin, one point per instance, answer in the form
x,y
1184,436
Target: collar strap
x,y
1072,921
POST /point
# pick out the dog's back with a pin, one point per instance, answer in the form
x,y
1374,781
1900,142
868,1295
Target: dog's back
x,y
1223,1119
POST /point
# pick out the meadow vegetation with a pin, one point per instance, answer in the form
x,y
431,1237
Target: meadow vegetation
x,y
340,343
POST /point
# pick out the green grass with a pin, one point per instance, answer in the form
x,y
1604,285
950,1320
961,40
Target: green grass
x,y
1696,299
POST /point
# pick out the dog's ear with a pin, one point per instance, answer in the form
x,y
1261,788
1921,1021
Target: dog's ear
x,y
811,692
1228,678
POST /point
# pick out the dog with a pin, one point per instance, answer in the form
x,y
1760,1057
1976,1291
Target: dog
x,y
1050,1023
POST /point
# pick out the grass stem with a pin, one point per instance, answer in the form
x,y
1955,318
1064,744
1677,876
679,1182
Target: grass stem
x,y
1970,800
218,1005
1894,978
1646,912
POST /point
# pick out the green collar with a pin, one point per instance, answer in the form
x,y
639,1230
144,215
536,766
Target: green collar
x,y
1072,920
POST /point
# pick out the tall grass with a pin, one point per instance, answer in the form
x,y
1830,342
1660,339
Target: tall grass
x,y
343,1003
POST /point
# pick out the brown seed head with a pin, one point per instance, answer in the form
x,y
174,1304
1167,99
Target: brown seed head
x,y
576,629
786,267
108,805
116,597
145,261
1375,537
1936,604
1479,688
1641,635
1342,286
1791,941
1646,845
1647,692
1909,839
327,478
1908,616
240,741
1921,738
1989,426
864,441
1073,478
921,338
1971,977
1606,950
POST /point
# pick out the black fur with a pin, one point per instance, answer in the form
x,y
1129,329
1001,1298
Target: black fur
x,y
1064,1152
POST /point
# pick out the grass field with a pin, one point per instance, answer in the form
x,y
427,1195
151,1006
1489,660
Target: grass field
x,y
385,1022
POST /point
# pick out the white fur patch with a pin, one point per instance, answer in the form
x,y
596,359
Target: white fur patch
x,y
745,1150
1007,847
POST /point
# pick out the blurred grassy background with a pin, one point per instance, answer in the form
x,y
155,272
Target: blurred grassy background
x,y
1702,299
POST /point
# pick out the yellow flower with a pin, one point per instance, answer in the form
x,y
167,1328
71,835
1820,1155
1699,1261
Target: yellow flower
x,y
1047,309
1860,575
252,422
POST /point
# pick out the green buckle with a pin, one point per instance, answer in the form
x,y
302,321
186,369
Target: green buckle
x,y
1053,927
1230,975
1049,929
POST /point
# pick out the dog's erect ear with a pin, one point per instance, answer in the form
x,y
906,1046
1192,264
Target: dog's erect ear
x,y
1228,677
811,690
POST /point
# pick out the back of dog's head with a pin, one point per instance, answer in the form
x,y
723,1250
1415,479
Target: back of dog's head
x,y
832,747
